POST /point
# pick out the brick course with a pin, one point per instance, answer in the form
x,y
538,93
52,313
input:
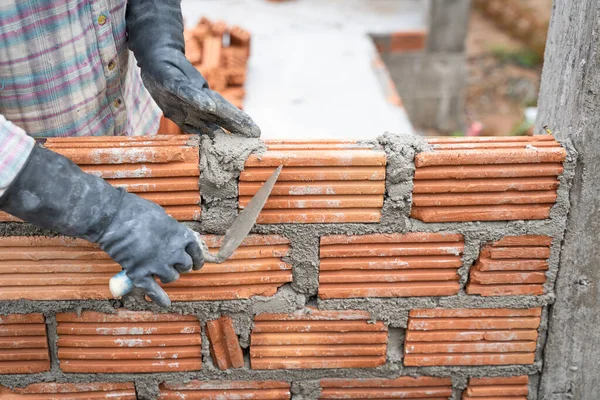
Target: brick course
x,y
128,341
400,388
471,337
317,339
340,274
255,268
226,390
487,179
71,391
390,265
321,182
23,344
512,266
510,388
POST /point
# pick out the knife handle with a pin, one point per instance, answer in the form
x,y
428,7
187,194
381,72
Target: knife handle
x,y
120,284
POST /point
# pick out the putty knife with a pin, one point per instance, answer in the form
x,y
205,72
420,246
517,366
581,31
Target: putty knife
x,y
120,284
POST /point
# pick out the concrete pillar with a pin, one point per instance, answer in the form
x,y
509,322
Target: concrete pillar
x,y
569,105
432,83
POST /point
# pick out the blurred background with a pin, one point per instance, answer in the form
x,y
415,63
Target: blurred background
x,y
357,68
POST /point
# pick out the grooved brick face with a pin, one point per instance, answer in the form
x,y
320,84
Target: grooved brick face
x,y
256,268
390,265
224,344
225,390
162,169
60,268
321,182
128,342
439,337
511,388
401,388
71,391
308,339
53,268
487,179
515,265
23,344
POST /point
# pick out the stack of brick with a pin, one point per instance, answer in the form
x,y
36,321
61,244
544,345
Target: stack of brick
x,y
395,268
220,53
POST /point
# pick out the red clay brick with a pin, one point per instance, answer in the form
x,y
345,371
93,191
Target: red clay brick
x,y
489,171
193,48
438,337
481,213
23,344
485,185
489,139
500,156
479,199
319,216
511,269
323,181
476,312
312,314
350,201
163,169
224,345
61,268
333,291
71,391
239,36
390,265
6,217
314,158
482,179
255,268
226,390
404,387
317,339
57,268
526,240
168,127
513,380
511,388
324,188
505,290
413,237
408,41
496,145
128,341
295,174
175,169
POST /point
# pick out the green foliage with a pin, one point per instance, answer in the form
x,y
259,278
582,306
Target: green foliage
x,y
523,56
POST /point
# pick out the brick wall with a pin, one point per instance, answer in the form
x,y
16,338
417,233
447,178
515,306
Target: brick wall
x,y
392,268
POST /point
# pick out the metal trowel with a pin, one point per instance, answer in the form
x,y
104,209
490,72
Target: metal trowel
x,y
120,284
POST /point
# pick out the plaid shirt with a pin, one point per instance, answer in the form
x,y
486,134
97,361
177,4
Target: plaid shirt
x,y
65,70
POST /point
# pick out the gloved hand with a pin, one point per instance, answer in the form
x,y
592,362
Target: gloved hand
x,y
155,35
54,193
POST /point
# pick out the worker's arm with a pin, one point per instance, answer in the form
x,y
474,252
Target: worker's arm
x,y
155,35
50,191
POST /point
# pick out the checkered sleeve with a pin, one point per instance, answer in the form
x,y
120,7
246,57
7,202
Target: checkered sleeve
x,y
15,147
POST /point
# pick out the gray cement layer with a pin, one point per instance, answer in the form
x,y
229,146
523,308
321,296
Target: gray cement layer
x,y
223,159
311,71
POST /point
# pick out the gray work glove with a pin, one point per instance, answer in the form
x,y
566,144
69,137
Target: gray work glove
x,y
155,35
54,193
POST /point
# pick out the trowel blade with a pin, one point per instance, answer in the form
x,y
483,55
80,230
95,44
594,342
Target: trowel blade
x,y
245,221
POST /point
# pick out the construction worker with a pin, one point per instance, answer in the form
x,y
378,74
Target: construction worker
x,y
66,70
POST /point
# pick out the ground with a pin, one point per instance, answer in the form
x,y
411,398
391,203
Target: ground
x,y
504,77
